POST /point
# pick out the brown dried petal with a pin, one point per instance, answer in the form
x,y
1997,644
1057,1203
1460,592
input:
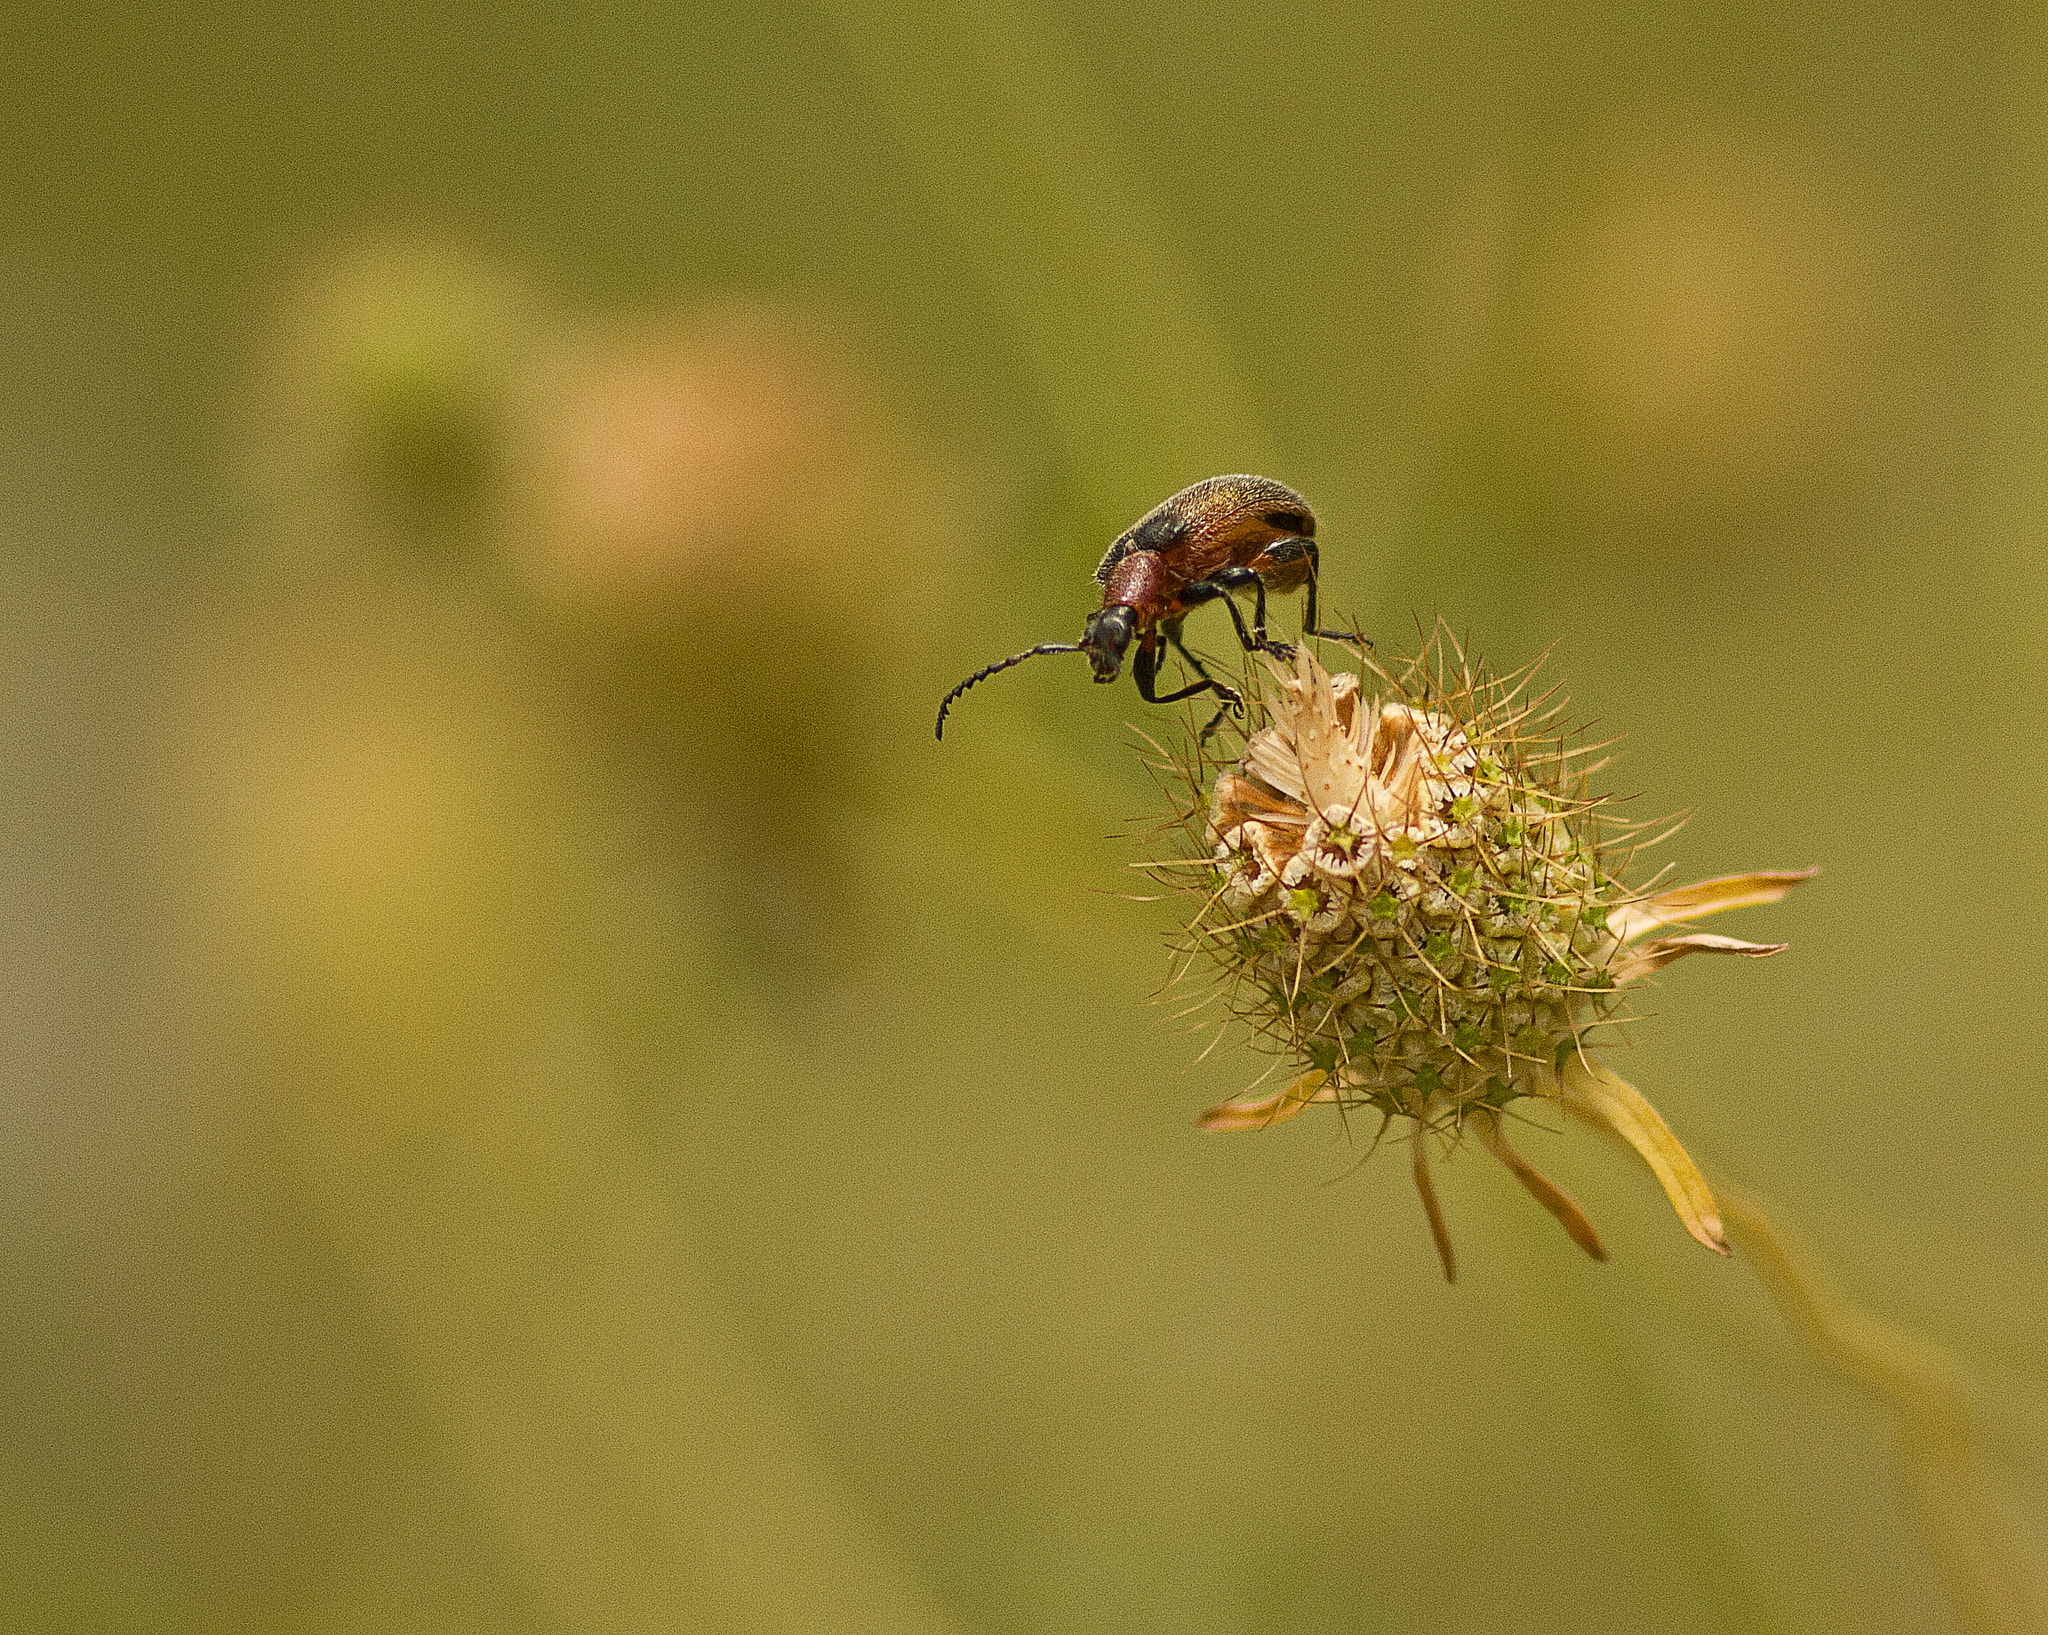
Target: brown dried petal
x,y
1654,956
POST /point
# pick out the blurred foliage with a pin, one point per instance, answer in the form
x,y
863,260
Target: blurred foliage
x,y
538,1098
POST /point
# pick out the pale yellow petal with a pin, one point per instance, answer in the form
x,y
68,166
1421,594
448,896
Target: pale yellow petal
x,y
1703,897
1654,956
1257,1113
1604,1098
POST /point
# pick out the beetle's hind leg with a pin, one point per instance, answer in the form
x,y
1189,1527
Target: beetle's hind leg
x,y
1310,630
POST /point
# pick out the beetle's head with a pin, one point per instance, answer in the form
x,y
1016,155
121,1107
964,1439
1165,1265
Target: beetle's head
x,y
1106,637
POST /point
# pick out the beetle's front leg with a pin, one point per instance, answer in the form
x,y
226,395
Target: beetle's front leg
x,y
1145,671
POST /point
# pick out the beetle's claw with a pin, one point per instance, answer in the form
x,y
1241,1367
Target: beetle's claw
x,y
1232,704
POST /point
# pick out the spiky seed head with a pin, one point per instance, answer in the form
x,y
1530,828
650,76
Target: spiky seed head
x,y
1411,887
1412,894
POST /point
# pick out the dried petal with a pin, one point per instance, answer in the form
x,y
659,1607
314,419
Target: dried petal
x,y
1654,956
1257,1113
1703,897
1238,798
1437,1230
1545,1191
1604,1098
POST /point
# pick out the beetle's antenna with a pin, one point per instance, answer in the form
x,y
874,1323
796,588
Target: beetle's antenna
x,y
1000,664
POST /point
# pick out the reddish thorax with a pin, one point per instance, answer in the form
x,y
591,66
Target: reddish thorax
x,y
1143,581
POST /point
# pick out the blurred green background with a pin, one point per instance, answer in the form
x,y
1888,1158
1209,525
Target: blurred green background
x,y
536,1097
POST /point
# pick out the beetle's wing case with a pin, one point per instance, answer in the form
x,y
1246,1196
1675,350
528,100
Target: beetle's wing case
x,y
1218,518
1232,501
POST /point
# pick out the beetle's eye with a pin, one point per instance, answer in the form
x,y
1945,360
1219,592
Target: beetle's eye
x,y
1291,522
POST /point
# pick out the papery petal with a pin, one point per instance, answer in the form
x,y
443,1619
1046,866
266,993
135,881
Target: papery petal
x,y
1604,1098
1654,956
1311,751
1237,799
1703,897
1241,1114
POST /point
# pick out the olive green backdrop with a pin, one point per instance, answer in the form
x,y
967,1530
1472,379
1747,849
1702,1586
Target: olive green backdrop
x,y
534,1096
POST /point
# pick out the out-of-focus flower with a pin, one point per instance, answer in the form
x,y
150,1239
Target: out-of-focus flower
x,y
673,463
387,389
724,537
654,506
1414,895
1687,334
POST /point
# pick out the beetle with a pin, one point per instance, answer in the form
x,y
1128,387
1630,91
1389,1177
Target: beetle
x,y
1217,536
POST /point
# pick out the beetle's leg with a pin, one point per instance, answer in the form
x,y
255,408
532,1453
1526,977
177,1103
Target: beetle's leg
x,y
1237,577
1221,584
1308,605
1172,634
1145,669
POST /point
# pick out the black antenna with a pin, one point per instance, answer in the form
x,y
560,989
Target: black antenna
x,y
1000,664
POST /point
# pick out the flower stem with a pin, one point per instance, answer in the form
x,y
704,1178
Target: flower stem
x,y
1923,1386
1028,166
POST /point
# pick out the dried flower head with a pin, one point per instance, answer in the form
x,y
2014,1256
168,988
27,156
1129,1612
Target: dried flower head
x,y
1413,895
